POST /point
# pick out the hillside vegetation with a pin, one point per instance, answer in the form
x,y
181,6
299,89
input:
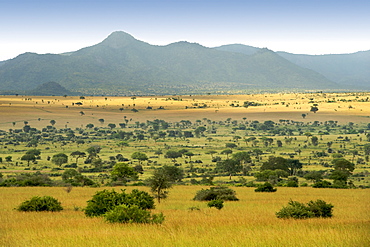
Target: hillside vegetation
x,y
122,65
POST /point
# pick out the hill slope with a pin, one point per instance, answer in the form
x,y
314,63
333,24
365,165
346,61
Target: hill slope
x,y
123,65
349,70
346,69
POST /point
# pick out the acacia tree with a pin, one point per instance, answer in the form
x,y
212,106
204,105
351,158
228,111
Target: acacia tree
x,y
159,182
343,169
139,156
123,172
173,155
28,158
227,152
77,155
59,159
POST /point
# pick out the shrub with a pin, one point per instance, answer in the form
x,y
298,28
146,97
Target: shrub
x,y
104,201
216,193
292,183
216,204
299,210
132,214
320,208
322,184
36,203
266,187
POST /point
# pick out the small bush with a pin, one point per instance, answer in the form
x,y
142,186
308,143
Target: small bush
x,y
292,183
45,203
216,204
266,187
299,210
216,193
322,184
320,208
105,201
132,214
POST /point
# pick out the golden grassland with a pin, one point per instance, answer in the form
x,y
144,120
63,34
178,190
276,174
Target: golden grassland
x,y
39,110
248,222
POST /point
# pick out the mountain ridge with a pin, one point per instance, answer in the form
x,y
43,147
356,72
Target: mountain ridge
x,y
123,65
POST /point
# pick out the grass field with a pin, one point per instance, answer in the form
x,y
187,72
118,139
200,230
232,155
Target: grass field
x,y
248,222
39,110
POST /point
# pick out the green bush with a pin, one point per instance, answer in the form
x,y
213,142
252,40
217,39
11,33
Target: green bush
x,y
36,203
299,210
320,208
322,184
292,183
266,187
216,204
216,193
132,214
105,201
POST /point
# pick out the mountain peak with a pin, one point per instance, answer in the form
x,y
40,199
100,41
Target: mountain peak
x,y
118,39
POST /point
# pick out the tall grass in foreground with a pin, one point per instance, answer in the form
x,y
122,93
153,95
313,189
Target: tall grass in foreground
x,y
248,222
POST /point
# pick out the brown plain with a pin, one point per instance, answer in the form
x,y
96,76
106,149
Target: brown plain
x,y
39,110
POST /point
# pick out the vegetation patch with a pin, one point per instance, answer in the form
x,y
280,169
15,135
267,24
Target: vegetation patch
x,y
105,201
36,203
132,214
266,187
216,193
297,210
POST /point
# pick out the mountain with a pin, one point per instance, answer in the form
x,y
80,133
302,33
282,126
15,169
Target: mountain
x,y
346,69
50,89
122,65
349,70
239,48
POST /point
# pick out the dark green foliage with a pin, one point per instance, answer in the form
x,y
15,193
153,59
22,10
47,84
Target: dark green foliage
x,y
292,183
28,179
275,163
122,172
104,201
74,178
266,187
132,214
139,156
59,159
28,158
173,155
216,204
174,173
314,176
159,182
36,203
320,208
229,166
322,184
216,193
297,210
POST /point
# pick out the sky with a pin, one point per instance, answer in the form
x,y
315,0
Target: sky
x,y
296,26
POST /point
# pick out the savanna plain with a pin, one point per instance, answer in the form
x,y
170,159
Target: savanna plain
x,y
313,128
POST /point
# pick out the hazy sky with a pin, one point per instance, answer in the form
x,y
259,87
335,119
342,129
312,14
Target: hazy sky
x,y
296,26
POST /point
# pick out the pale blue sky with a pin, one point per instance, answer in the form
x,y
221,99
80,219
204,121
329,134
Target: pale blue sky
x,y
299,26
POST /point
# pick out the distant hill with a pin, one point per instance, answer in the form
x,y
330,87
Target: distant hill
x,y
122,65
346,69
239,48
49,89
351,71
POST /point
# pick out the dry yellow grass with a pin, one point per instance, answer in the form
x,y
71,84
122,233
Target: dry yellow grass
x,y
248,222
30,108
